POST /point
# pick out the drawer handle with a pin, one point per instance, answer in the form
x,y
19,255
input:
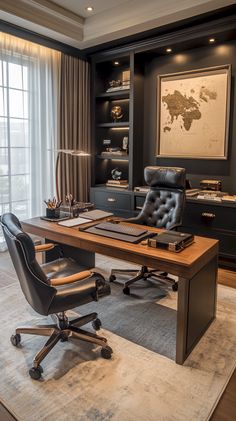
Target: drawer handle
x,y
111,199
208,215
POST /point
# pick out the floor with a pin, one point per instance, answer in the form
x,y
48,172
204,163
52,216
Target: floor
x,y
226,409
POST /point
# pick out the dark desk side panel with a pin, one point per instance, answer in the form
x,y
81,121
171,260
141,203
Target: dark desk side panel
x,y
202,298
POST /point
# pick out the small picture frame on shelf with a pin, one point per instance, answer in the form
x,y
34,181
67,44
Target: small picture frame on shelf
x,y
126,79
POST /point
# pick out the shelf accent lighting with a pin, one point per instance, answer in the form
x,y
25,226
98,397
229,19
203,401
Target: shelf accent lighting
x,y
169,50
212,40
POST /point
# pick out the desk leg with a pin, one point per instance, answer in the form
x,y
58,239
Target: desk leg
x,y
196,308
82,257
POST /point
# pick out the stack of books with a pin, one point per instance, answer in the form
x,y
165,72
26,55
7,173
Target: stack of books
x,y
118,88
117,183
119,153
142,189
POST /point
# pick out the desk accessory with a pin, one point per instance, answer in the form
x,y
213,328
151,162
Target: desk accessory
x,y
53,208
76,208
229,198
60,218
74,222
122,229
171,240
122,233
211,185
95,214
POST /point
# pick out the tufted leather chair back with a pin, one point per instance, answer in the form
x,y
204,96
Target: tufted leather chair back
x,y
164,204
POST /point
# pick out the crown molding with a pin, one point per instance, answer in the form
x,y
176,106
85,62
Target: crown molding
x,y
47,15
193,31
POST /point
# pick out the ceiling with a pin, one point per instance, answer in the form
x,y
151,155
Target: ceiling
x,y
69,22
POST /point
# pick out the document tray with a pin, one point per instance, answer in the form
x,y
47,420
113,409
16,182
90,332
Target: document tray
x,y
95,229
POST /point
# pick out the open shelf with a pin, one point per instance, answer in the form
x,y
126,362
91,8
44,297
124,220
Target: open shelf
x,y
115,157
121,124
122,94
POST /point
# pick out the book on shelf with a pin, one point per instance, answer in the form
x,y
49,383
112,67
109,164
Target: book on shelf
x,y
209,197
192,192
117,181
120,186
142,189
229,198
118,88
116,153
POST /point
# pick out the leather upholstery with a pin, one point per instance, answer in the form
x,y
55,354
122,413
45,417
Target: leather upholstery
x,y
167,177
163,206
44,298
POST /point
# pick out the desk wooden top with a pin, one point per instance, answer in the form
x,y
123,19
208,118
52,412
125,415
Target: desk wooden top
x,y
185,263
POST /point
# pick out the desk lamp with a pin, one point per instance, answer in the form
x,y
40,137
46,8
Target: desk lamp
x,y
72,152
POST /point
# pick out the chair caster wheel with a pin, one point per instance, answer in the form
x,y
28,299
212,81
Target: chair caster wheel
x,y
97,324
15,339
35,373
175,287
126,291
106,352
112,278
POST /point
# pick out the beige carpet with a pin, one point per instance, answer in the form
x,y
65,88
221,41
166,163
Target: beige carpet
x,y
137,384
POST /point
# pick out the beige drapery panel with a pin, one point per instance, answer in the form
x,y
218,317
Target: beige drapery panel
x,y
74,127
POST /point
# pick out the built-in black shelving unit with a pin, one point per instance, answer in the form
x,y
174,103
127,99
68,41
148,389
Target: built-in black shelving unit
x,y
145,60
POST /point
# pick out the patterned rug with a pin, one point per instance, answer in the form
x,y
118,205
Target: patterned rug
x,y
136,384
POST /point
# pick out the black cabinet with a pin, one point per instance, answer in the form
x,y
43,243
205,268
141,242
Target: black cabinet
x,y
118,202
215,220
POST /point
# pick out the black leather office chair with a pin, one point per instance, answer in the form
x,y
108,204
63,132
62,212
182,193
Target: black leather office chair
x,y
163,208
53,294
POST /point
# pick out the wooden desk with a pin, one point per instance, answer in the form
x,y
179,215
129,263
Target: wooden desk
x,y
196,267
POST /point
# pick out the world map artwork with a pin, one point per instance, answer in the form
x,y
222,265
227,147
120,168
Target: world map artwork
x,y
193,115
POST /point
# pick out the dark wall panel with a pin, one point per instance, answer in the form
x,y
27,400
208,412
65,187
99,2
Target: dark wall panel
x,y
212,55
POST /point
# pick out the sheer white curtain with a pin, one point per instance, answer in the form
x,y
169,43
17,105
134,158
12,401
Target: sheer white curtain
x,y
29,98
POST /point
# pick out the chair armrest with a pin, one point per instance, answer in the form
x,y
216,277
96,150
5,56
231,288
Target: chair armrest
x,y
174,227
44,247
70,279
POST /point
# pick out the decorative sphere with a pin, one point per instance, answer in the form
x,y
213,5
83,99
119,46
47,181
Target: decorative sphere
x,y
116,174
116,112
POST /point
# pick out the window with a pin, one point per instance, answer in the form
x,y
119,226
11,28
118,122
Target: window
x,y
29,87
15,162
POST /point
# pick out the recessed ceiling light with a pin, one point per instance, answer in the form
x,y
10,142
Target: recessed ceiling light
x,y
116,63
169,50
212,40
89,9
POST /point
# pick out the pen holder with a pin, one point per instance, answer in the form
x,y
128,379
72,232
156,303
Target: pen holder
x,y
52,213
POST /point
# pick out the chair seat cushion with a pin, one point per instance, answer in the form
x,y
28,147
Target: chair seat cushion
x,y
62,267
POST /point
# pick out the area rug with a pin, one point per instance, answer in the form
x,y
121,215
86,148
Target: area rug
x,y
136,384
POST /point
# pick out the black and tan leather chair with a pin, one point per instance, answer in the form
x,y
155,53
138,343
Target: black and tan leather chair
x,y
52,291
163,208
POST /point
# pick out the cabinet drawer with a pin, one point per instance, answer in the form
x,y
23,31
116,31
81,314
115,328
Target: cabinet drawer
x,y
112,200
210,216
139,202
227,241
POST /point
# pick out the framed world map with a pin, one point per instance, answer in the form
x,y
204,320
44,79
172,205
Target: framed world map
x,y
193,113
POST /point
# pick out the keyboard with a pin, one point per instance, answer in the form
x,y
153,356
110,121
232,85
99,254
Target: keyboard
x,y
121,229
